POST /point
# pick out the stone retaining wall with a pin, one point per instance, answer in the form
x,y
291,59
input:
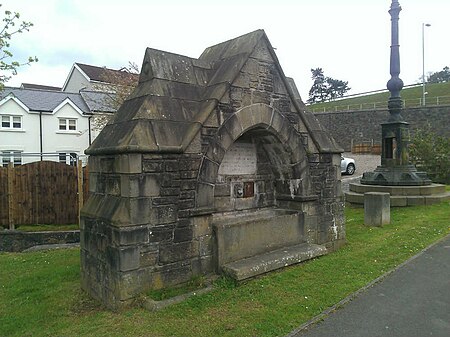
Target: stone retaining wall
x,y
17,241
361,126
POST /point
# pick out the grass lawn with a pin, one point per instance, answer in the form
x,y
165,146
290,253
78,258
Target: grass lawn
x,y
40,293
44,228
438,93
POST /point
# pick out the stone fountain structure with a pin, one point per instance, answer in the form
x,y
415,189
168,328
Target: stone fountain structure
x,y
211,166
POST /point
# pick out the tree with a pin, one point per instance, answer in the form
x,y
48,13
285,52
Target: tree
x,y
431,153
11,26
317,93
116,87
439,76
325,88
120,84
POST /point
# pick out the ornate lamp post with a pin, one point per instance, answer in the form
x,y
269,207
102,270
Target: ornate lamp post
x,y
423,61
395,168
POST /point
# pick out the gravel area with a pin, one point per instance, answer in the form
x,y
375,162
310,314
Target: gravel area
x,y
364,163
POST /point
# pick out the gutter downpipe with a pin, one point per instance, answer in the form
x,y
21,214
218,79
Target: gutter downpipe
x,y
89,127
40,135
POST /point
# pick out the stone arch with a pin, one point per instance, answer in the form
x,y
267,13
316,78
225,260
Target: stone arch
x,y
254,117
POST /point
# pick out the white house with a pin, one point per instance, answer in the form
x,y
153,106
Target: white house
x,y
92,78
40,124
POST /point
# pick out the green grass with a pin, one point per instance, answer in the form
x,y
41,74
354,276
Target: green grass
x,y
44,228
40,295
437,93
196,283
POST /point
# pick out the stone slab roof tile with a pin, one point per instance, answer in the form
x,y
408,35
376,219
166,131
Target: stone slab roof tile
x,y
228,69
131,136
169,66
160,87
244,44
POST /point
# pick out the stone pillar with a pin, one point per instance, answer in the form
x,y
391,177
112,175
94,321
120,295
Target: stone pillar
x,y
377,211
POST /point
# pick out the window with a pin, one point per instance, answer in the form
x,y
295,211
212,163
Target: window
x,y
67,124
11,156
12,122
62,157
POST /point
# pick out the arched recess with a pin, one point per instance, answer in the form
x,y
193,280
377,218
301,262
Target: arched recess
x,y
267,125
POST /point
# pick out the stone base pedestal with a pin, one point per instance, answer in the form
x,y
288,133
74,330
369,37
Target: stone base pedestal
x,y
401,175
400,196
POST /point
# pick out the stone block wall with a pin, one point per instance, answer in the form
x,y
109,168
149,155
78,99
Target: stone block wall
x,y
17,241
365,125
142,227
324,207
137,229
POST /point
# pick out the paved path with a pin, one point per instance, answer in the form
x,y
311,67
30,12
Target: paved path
x,y
364,163
413,301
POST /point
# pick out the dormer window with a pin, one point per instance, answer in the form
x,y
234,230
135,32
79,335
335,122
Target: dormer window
x,y
67,124
10,122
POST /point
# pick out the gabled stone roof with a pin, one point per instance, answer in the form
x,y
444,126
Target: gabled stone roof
x,y
44,100
176,95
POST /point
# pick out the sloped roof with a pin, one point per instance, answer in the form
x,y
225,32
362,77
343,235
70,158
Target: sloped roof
x,y
98,101
44,100
39,87
176,95
103,74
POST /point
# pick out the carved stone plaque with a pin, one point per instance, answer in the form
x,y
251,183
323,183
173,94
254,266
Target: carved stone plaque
x,y
240,159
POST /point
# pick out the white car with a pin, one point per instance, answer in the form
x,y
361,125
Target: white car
x,y
348,165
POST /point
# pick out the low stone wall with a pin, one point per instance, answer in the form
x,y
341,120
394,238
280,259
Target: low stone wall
x,y
361,126
17,241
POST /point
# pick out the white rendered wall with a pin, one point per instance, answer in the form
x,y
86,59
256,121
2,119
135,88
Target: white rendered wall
x,y
27,139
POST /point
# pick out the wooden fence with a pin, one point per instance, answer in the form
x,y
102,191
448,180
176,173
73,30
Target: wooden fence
x,y
368,147
43,192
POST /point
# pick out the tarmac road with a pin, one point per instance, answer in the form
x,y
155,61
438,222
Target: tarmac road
x,y
364,163
413,301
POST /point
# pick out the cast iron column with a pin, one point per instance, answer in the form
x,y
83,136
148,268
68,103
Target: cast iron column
x,y
395,84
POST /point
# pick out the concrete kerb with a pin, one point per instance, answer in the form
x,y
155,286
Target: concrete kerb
x,y
320,317
52,247
347,181
19,241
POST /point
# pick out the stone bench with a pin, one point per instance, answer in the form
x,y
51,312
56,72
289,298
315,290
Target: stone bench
x,y
255,242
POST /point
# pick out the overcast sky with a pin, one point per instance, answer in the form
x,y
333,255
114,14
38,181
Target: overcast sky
x,y
349,39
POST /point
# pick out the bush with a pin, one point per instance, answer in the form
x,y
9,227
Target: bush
x,y
431,153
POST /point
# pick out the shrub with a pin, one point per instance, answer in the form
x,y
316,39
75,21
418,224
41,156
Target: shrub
x,y
431,153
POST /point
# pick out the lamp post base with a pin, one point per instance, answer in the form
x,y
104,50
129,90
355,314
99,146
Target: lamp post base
x,y
405,175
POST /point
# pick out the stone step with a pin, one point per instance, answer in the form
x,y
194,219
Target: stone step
x,y
401,200
263,263
423,190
